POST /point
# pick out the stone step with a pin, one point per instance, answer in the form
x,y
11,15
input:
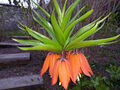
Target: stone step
x,y
11,44
20,37
17,57
20,82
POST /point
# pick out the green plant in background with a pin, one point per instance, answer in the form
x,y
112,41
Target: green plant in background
x,y
64,60
96,82
100,82
15,33
114,72
82,82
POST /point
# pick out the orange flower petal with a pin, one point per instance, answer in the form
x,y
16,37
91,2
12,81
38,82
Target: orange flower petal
x,y
68,68
86,63
52,63
75,65
46,64
80,70
63,74
83,65
55,72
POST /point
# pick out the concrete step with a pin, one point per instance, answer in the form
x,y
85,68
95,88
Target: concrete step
x,y
20,82
17,57
21,37
11,44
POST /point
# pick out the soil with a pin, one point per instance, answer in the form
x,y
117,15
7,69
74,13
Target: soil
x,y
101,54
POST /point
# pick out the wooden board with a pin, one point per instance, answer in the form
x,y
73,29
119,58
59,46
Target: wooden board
x,y
5,58
20,81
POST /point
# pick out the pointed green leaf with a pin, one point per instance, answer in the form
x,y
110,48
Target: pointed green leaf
x,y
22,28
41,37
63,11
35,34
73,19
66,32
57,30
89,32
58,11
71,31
28,42
104,18
20,23
48,25
46,13
93,42
84,29
49,30
109,43
68,39
46,47
83,36
68,14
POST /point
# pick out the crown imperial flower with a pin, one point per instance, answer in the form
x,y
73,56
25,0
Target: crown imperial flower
x,y
61,60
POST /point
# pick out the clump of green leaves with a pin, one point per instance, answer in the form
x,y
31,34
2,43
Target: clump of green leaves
x,y
60,30
114,72
94,83
99,82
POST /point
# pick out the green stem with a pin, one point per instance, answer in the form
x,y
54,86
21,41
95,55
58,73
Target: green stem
x,y
80,81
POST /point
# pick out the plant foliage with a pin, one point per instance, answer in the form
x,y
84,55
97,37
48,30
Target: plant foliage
x,y
60,30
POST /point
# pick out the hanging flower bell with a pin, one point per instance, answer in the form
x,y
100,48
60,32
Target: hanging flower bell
x,y
66,67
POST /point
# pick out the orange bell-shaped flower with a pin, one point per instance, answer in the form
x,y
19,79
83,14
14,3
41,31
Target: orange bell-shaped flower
x,y
85,65
75,66
62,69
65,67
46,64
52,62
49,63
78,64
